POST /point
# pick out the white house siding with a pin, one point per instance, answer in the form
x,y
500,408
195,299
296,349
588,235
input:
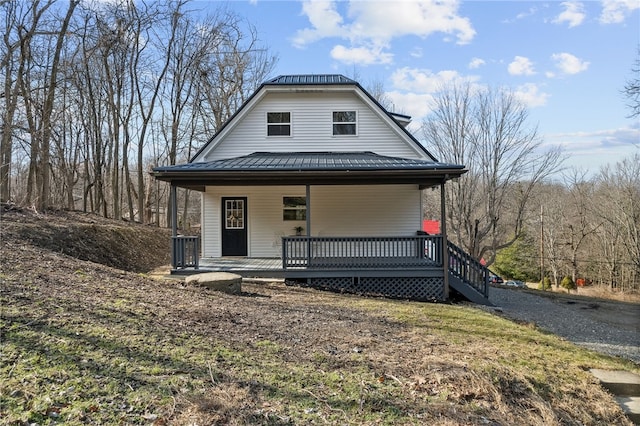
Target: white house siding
x,y
363,210
264,218
311,121
373,210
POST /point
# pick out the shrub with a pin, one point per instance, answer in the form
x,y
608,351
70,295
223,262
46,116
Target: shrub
x,y
568,283
545,284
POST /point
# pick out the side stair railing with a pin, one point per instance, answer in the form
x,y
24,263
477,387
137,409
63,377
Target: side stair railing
x,y
468,269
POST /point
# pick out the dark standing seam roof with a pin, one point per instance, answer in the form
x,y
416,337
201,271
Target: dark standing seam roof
x,y
308,161
311,79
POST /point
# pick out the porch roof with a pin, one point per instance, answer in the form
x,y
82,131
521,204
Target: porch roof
x,y
302,168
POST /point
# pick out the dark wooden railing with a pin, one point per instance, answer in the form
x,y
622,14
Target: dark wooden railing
x,y
383,252
361,252
185,252
468,269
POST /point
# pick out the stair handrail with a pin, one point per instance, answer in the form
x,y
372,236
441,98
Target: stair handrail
x,y
468,269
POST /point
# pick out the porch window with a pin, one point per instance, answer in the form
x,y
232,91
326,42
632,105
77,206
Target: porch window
x,y
344,123
278,124
294,208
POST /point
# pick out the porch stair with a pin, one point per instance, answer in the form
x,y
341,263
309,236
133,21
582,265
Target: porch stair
x,y
467,276
468,291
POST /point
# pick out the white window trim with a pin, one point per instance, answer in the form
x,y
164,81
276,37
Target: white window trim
x,y
267,124
300,207
345,122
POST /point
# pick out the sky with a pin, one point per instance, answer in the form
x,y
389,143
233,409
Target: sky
x,y
568,61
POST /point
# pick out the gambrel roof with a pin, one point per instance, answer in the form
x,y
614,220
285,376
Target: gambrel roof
x,y
298,83
351,166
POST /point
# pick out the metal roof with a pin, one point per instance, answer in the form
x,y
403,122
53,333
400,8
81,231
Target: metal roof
x,y
308,168
308,161
311,79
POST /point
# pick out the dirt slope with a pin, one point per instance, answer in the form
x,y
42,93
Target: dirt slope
x,y
118,244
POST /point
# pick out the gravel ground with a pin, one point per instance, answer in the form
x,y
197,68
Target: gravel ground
x,y
612,328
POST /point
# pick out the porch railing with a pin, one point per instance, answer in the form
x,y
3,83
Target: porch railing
x,y
383,252
185,252
468,269
361,252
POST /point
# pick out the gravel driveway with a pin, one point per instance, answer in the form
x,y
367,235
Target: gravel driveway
x,y
608,327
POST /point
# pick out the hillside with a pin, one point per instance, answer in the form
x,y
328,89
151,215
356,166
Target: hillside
x,y
118,244
88,338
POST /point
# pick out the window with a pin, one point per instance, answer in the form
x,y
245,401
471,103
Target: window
x,y
344,122
294,208
234,214
278,124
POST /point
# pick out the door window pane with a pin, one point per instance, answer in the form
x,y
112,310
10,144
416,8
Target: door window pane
x,y
234,214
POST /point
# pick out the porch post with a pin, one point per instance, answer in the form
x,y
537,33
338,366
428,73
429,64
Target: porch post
x,y
308,201
308,205
445,241
174,224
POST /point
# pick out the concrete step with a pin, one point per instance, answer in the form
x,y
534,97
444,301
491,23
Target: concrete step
x,y
625,386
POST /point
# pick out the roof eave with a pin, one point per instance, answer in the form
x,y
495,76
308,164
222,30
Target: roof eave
x,y
422,177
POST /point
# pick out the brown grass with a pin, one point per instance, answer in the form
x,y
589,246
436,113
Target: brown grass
x,y
86,343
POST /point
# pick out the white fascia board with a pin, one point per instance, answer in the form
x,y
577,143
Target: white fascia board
x,y
398,129
235,120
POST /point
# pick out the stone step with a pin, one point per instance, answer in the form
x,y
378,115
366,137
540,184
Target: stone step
x,y
625,386
631,407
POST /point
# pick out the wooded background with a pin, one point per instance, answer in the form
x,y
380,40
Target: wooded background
x,y
95,94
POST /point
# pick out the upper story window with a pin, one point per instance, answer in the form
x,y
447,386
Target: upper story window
x,y
278,124
344,122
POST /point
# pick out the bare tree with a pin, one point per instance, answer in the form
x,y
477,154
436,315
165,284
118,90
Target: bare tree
x,y
632,88
488,132
10,64
94,93
578,210
40,50
621,213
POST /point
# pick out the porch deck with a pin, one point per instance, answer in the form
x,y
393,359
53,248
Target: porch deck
x,y
245,266
399,267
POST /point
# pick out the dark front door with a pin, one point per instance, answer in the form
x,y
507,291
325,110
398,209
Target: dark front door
x,y
234,226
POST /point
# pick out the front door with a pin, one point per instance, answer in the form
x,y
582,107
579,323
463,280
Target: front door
x,y
234,226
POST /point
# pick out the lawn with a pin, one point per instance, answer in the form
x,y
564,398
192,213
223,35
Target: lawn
x,y
84,343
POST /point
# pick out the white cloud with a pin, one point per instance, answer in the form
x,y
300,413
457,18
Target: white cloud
x,y
568,63
415,105
531,95
324,18
425,81
616,11
521,66
593,150
374,24
476,63
360,55
573,14
416,52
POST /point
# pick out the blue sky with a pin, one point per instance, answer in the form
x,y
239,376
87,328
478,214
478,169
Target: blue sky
x,y
568,61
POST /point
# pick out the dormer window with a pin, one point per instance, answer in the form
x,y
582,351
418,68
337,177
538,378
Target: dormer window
x,y
344,123
278,124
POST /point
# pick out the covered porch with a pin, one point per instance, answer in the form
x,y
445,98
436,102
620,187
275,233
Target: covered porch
x,y
408,264
399,267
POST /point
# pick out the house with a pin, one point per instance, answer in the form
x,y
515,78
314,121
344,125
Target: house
x,y
313,180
